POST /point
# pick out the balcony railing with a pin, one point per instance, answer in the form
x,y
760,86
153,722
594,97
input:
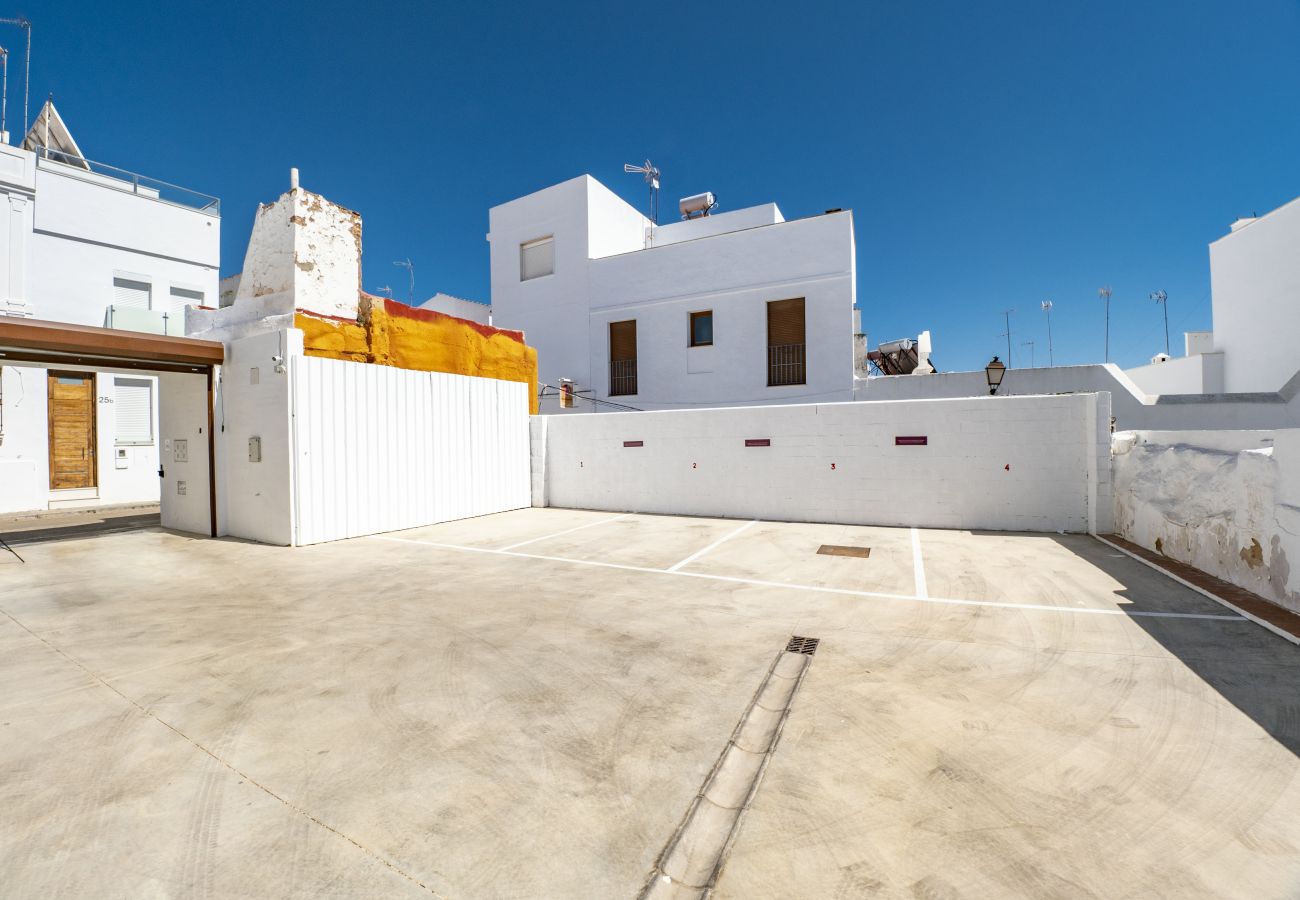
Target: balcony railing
x,y
786,364
150,321
622,377
122,180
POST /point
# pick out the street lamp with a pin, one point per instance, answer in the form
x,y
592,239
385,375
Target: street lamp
x,y
994,372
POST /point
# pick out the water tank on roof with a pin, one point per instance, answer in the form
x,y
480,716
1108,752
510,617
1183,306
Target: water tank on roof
x,y
698,204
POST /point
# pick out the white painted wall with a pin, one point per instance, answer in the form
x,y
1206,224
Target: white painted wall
x,y
1255,285
717,223
380,449
1201,373
732,263
461,309
255,499
1022,463
734,275
1225,502
24,446
1131,407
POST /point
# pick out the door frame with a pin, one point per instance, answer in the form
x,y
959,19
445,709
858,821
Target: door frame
x,y
94,426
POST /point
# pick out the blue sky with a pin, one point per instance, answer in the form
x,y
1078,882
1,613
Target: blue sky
x,y
995,155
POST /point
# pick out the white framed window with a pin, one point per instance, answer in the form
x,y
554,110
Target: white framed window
x,y
131,294
133,410
536,258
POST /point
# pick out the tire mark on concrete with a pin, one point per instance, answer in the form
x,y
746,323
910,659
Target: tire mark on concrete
x,y
289,804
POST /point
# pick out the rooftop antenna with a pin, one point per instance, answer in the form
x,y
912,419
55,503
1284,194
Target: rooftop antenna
x,y
1104,294
651,178
385,289
27,79
1047,308
1007,334
1163,299
410,270
4,93
1030,345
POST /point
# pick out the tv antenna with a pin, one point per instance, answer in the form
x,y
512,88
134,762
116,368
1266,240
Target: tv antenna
x,y
1047,309
26,25
1007,334
1163,299
1030,345
651,178
1104,294
410,271
385,290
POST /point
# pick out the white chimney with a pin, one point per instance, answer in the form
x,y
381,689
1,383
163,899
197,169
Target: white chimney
x,y
293,179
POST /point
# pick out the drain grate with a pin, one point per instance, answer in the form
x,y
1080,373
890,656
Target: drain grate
x,y
800,644
841,550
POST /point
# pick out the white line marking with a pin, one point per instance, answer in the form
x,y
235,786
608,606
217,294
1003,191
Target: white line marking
x,y
813,588
547,537
698,553
1281,632
918,567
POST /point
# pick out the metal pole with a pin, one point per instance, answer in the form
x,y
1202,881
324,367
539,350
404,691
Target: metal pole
x,y
1007,313
1105,293
1047,308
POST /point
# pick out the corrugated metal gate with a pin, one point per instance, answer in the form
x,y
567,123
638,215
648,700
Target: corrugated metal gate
x,y
380,449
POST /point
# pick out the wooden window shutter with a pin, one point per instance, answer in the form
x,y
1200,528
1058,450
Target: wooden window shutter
x,y
622,340
785,323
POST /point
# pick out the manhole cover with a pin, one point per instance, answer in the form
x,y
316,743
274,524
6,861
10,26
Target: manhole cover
x,y
800,644
839,550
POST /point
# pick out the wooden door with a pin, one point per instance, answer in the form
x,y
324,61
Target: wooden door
x,y
72,430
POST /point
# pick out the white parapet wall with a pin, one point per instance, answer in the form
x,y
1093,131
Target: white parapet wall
x,y
1224,502
1004,463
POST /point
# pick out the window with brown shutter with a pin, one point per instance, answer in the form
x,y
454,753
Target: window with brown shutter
x,y
786,348
622,358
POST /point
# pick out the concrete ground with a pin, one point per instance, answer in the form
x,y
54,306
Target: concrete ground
x,y
525,705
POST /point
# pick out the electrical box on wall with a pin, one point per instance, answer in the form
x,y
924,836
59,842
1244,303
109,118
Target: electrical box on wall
x,y
180,488
181,450
255,449
120,459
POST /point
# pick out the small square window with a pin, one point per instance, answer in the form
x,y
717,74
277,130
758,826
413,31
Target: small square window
x,y
536,258
702,328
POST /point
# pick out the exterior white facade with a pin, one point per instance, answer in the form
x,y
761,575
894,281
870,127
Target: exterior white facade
x,y
1255,291
90,245
594,260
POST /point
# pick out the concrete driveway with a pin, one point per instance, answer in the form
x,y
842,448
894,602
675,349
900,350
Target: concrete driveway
x,y
527,704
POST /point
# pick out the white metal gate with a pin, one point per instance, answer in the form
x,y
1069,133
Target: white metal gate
x,y
380,449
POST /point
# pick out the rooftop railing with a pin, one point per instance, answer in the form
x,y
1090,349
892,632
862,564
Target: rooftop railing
x,y
122,180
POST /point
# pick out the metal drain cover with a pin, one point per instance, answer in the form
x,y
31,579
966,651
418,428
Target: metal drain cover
x,y
840,550
800,644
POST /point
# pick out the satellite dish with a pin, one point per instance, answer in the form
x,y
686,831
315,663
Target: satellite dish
x,y
651,178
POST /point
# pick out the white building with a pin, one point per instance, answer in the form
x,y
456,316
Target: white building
x,y
1255,292
733,308
89,244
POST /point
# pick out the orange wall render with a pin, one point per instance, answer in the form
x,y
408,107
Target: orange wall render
x,y
389,333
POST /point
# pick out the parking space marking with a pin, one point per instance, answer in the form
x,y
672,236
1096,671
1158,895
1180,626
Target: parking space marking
x,y
948,601
547,537
722,540
918,567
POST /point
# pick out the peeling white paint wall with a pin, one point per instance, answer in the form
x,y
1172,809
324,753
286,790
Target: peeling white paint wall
x,y
308,247
1225,502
